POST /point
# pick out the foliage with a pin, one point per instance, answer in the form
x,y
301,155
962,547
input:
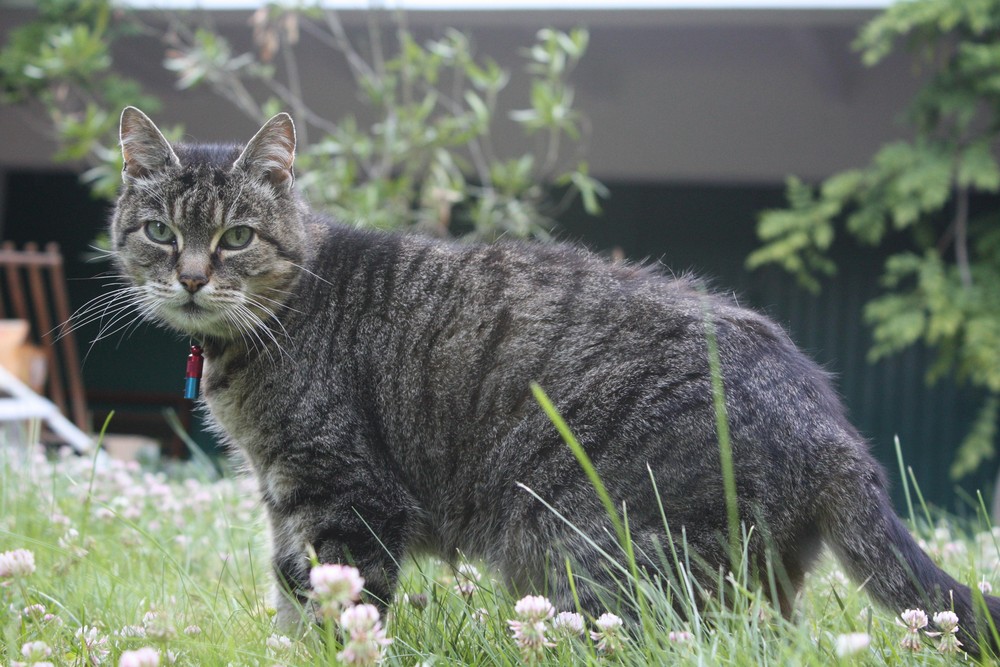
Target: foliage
x,y
424,158
942,291
62,59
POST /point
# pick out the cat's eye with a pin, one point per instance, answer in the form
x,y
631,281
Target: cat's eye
x,y
236,238
159,232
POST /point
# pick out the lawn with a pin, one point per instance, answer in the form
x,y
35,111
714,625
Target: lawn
x,y
132,566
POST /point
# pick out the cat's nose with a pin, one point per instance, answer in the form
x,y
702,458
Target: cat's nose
x,y
192,282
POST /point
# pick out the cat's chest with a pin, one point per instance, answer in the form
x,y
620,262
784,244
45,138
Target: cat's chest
x,y
235,403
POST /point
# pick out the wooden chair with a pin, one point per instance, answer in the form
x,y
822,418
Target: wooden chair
x,y
33,288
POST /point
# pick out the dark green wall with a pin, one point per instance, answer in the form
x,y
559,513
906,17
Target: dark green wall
x,y
708,230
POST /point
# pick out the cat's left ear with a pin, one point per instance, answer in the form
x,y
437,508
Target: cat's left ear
x,y
271,152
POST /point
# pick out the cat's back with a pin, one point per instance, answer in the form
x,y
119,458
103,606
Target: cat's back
x,y
515,310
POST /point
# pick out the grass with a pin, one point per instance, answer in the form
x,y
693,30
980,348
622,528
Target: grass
x,y
177,560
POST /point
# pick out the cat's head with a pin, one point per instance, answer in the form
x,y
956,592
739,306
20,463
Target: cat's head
x,y
212,237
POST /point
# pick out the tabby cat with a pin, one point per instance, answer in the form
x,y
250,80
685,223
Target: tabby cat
x,y
378,387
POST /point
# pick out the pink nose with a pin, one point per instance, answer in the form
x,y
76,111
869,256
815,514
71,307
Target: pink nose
x,y
192,283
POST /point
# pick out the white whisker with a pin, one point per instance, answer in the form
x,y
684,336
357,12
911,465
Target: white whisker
x,y
317,277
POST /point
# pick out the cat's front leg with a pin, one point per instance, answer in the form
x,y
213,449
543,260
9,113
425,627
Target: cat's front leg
x,y
371,535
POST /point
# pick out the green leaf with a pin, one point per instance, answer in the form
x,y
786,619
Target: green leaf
x,y
478,107
980,443
897,323
843,186
590,189
977,168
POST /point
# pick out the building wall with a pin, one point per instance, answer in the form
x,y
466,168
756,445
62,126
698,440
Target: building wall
x,y
732,96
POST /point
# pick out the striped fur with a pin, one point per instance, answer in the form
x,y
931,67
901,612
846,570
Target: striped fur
x,y
383,400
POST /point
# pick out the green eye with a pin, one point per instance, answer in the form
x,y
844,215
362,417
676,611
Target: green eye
x,y
159,232
236,238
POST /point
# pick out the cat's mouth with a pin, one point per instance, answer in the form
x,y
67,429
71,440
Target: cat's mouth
x,y
192,315
207,312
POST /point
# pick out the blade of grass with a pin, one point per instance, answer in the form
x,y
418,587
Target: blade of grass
x,y
725,446
582,458
920,497
906,484
206,465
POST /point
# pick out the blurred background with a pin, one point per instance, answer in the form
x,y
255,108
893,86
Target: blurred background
x,y
680,122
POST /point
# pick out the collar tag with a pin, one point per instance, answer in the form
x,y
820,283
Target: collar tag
x,y
192,378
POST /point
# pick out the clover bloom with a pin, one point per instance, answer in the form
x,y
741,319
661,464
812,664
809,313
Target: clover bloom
x,y
364,637
914,620
529,628
16,564
851,643
143,657
947,622
567,624
608,634
335,587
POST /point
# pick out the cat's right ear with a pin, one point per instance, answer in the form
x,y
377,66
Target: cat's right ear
x,y
144,148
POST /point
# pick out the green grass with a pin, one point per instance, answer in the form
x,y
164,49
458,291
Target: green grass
x,y
183,559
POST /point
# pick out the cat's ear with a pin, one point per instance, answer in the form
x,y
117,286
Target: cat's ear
x,y
144,148
271,152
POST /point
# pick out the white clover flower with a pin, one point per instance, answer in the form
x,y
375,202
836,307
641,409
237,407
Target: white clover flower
x,y
133,631
534,608
608,634
529,628
143,657
530,638
985,587
94,644
952,549
279,643
851,643
365,638
608,622
914,620
836,579
679,636
568,624
947,622
158,626
467,580
34,611
36,651
16,564
192,630
69,542
359,618
335,587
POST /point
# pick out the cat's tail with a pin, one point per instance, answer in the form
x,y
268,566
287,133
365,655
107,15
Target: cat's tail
x,y
874,546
